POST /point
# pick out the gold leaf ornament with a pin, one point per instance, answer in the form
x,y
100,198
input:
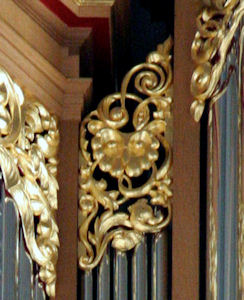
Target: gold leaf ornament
x,y
125,160
216,24
28,148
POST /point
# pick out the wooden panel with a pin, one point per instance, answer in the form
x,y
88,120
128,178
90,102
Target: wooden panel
x,y
67,211
185,244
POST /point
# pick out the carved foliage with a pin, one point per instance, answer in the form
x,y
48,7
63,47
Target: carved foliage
x,y
216,25
125,161
28,146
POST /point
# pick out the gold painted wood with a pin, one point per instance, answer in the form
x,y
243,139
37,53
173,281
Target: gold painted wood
x,y
125,162
29,140
217,24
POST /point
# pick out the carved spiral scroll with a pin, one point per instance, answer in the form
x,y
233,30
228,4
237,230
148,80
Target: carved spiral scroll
x,y
125,161
215,39
29,140
217,25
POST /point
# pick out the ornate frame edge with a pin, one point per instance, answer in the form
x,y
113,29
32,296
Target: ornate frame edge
x,y
29,140
209,51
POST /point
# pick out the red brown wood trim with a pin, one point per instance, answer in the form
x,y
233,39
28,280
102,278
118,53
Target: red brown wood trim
x,y
186,146
67,211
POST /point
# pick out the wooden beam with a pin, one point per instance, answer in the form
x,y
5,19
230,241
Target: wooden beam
x,y
68,211
186,148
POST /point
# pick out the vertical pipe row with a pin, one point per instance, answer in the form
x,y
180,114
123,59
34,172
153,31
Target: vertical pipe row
x,y
103,277
139,272
1,231
10,250
159,272
149,273
86,286
120,276
39,293
25,271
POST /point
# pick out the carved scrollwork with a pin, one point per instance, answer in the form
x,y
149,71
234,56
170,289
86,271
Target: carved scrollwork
x,y
29,139
125,161
220,34
217,25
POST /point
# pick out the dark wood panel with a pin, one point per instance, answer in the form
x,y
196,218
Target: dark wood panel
x,y
186,173
67,211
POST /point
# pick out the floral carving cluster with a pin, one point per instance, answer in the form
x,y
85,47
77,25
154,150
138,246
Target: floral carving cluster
x,y
124,142
29,140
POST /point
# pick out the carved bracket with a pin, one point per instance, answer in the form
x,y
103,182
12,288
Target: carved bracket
x,y
220,32
125,161
217,25
29,140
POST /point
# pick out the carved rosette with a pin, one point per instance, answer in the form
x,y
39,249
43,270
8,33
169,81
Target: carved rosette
x,y
29,140
217,24
125,161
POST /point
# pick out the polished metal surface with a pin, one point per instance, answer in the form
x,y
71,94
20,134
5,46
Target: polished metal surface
x,y
25,271
87,286
1,231
10,251
159,275
227,203
140,272
39,293
120,276
104,277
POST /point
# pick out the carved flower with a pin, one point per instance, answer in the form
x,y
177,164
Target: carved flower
x,y
86,203
141,151
142,217
126,240
118,152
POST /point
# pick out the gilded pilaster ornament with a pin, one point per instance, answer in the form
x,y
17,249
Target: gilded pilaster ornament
x,y
217,24
125,162
29,139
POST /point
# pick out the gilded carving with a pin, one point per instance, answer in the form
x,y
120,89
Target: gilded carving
x,y
125,161
215,39
29,139
216,25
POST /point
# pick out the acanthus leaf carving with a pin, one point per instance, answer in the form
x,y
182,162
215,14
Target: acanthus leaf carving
x,y
125,162
29,140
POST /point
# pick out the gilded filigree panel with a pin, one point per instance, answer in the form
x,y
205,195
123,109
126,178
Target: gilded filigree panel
x,y
125,162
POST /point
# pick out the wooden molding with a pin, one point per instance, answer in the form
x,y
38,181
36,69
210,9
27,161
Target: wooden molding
x,y
49,22
186,147
91,8
41,66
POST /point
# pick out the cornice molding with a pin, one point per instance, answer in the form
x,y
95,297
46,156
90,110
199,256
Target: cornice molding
x,y
58,30
61,95
90,8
